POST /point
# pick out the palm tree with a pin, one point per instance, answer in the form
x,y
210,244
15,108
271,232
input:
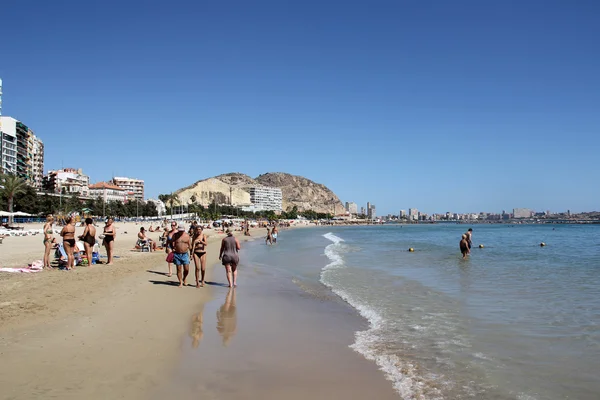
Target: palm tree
x,y
11,186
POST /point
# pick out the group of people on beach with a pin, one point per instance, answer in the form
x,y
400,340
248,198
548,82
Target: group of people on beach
x,y
180,245
466,242
88,237
271,235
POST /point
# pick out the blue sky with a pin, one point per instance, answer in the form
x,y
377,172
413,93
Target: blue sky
x,y
460,106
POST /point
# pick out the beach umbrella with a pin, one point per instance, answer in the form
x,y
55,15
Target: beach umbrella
x,y
21,214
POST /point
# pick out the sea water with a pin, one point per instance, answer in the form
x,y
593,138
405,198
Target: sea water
x,y
513,321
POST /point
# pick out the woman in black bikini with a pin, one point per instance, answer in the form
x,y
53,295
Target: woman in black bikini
x,y
89,239
68,235
109,237
198,251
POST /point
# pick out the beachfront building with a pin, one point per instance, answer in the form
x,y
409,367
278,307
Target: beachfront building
x,y
160,206
107,192
0,99
522,213
265,198
8,145
131,185
402,214
68,181
22,153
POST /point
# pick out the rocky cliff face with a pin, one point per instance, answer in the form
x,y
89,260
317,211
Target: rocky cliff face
x,y
296,190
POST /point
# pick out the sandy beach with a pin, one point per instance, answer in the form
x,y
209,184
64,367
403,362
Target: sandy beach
x,y
124,331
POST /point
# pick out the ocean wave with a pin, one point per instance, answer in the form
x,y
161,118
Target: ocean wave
x,y
403,375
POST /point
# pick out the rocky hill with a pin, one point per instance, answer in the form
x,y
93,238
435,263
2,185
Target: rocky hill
x,y
296,190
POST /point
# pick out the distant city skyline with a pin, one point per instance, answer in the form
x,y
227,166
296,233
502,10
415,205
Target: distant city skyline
x,y
458,106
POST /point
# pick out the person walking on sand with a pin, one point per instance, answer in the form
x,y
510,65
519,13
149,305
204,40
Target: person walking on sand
x,y
464,246
89,239
68,235
181,257
110,232
199,254
48,236
229,256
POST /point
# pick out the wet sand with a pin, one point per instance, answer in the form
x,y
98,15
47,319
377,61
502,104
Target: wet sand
x,y
94,333
127,331
269,339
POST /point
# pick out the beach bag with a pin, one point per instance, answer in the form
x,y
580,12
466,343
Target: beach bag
x,y
170,257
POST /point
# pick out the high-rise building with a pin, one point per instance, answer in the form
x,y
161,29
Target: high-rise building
x,y
522,213
362,211
8,145
131,185
265,198
351,207
372,214
402,214
413,214
22,153
0,100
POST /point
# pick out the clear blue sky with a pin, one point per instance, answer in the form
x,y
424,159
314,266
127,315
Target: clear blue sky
x,y
437,105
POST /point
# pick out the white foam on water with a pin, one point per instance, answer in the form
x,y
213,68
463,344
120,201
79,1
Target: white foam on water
x,y
403,375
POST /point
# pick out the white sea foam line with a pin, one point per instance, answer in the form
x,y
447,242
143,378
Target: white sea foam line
x,y
404,383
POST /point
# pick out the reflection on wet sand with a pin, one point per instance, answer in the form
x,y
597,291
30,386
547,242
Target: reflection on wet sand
x,y
227,318
196,332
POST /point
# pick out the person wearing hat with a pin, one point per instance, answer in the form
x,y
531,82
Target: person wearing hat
x,y
229,256
181,256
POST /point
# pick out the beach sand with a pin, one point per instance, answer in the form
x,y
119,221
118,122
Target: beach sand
x,y
126,331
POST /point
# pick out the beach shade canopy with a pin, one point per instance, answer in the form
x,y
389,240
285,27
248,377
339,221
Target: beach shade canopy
x,y
86,210
5,214
21,214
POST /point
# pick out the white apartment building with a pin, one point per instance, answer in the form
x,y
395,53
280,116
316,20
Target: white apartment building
x,y
413,214
8,145
351,207
372,212
131,185
402,214
37,162
265,198
522,213
107,192
160,206
72,180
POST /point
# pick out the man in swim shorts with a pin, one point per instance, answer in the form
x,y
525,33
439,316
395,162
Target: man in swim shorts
x,y
181,256
469,234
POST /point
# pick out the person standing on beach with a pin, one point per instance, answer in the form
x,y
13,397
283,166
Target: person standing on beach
x,y
68,235
89,239
48,236
469,234
110,232
464,246
229,256
274,234
169,245
181,257
199,253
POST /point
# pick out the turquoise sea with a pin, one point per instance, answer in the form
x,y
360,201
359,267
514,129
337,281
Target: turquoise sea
x,y
513,321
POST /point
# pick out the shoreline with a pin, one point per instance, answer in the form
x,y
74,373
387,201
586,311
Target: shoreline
x,y
94,321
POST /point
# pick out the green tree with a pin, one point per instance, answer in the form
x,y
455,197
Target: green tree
x,y
11,187
28,201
